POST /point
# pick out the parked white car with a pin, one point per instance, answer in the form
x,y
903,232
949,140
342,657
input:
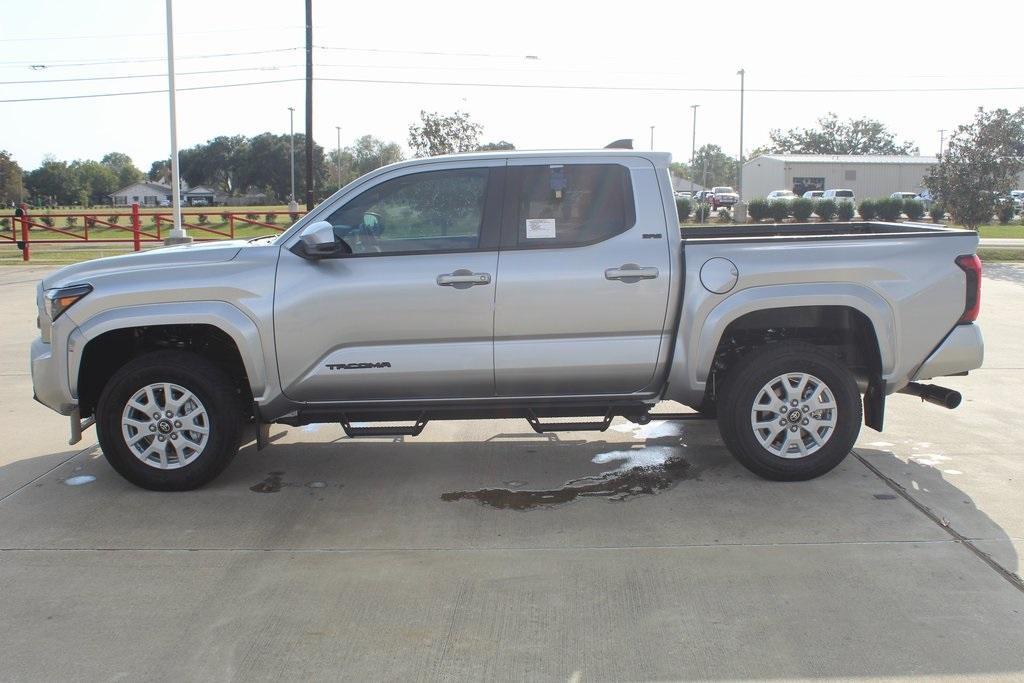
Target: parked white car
x,y
780,196
840,196
1018,198
813,194
904,196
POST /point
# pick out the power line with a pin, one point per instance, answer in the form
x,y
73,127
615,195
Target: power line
x,y
435,53
56,64
159,75
537,86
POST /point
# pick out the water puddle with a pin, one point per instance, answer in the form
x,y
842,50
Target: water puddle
x,y
656,429
645,471
272,484
79,480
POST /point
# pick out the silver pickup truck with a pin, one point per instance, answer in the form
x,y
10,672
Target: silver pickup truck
x,y
550,286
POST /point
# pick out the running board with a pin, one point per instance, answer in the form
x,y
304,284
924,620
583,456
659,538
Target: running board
x,y
541,428
395,430
647,417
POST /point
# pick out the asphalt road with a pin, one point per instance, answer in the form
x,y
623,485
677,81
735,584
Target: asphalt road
x,y
469,553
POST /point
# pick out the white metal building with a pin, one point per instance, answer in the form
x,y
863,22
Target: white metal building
x,y
870,176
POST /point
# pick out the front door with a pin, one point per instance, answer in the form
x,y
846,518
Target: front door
x,y
585,275
409,314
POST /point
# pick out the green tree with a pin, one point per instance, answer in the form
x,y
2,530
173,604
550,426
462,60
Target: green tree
x,y
214,163
94,181
53,182
160,171
980,164
123,167
366,154
680,170
832,136
263,165
712,166
12,186
437,134
501,146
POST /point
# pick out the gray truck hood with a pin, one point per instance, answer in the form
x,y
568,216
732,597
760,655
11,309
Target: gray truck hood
x,y
167,257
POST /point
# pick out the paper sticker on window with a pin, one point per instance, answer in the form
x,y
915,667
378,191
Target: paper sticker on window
x,y
540,228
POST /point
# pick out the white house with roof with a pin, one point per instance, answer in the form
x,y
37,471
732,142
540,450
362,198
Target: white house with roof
x,y
145,193
870,176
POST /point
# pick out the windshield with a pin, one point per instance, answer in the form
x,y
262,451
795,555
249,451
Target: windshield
x,y
844,193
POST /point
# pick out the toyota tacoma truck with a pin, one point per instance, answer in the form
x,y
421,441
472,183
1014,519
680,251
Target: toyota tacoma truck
x,y
555,287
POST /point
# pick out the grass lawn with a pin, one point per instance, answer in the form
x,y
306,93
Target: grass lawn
x,y
1006,231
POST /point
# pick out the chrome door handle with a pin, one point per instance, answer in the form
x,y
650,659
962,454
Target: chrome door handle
x,y
630,272
462,278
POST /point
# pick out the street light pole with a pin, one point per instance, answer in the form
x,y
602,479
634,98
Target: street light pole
x,y
178,235
739,170
652,138
339,156
693,146
291,140
942,139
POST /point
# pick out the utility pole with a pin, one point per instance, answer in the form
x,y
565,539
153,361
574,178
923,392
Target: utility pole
x,y
178,234
652,138
339,156
942,140
292,205
739,170
309,105
693,145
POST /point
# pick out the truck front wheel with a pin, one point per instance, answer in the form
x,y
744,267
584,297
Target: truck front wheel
x,y
169,421
789,411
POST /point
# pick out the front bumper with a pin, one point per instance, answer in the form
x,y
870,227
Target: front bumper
x,y
961,351
50,378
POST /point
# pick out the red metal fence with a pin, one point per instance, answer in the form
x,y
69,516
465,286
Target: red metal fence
x,y
102,226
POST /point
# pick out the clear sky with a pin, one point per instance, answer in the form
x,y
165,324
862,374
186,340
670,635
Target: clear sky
x,y
864,45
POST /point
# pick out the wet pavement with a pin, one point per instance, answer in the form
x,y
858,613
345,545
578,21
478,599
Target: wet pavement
x,y
480,550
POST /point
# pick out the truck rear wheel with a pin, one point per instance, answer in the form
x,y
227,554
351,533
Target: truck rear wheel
x,y
789,411
169,421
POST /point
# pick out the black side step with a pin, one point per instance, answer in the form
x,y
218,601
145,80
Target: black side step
x,y
541,428
647,417
395,430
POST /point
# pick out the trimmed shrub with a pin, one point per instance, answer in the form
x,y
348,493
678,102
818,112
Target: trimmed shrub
x,y
225,217
203,218
779,211
913,208
937,212
825,209
293,216
724,216
48,220
1005,213
113,219
683,207
701,212
890,209
271,218
757,210
70,221
5,222
252,216
802,209
868,209
845,211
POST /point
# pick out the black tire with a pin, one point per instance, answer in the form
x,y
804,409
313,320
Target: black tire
x,y
745,381
211,386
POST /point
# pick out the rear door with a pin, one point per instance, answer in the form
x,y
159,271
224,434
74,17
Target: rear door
x,y
585,274
409,314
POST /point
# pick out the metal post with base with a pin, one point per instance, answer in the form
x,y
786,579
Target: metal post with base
x,y
178,234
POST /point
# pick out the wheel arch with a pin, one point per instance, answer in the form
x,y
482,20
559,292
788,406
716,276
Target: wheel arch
x,y
109,340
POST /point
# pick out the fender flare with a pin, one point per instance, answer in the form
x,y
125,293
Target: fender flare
x,y
700,346
222,315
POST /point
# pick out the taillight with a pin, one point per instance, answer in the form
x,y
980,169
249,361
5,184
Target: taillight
x,y
971,265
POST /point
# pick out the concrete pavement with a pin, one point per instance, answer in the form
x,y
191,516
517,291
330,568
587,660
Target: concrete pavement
x,y
390,559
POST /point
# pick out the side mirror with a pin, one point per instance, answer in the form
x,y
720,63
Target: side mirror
x,y
318,241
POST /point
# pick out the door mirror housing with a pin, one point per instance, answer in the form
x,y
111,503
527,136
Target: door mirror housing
x,y
318,241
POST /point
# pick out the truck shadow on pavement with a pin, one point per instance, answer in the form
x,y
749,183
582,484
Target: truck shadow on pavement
x,y
1009,272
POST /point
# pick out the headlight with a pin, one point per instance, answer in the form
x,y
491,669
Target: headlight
x,y
56,301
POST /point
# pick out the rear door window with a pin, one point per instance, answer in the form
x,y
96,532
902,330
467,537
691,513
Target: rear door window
x,y
572,204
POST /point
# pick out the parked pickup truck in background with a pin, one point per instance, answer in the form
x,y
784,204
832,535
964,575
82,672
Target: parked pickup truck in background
x,y
554,287
723,197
